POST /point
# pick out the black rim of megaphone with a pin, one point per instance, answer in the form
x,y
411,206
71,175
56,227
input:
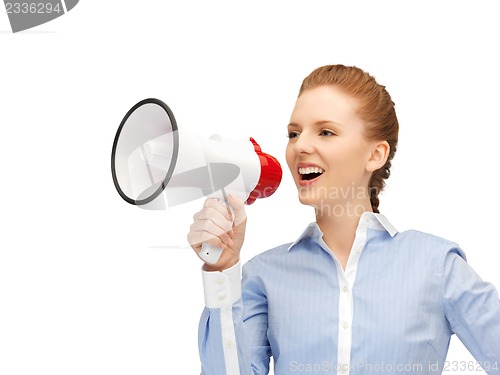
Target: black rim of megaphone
x,y
175,152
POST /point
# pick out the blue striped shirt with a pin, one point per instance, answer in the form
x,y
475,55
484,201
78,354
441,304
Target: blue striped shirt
x,y
392,310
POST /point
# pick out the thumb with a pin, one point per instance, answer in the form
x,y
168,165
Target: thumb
x,y
238,207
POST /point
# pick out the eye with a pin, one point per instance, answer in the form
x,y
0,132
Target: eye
x,y
326,133
293,135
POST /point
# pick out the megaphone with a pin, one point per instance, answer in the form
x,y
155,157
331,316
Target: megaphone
x,y
155,165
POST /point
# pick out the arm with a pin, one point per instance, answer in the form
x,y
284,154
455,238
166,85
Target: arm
x,y
233,328
472,308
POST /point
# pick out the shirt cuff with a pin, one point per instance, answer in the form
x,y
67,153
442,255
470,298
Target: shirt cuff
x,y
222,289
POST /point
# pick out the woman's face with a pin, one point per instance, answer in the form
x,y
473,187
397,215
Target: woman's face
x,y
327,152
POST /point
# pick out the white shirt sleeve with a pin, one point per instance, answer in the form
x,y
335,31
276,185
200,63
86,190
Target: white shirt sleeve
x,y
222,288
222,292
232,334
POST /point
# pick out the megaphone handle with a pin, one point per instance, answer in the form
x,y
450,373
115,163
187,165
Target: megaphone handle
x,y
210,253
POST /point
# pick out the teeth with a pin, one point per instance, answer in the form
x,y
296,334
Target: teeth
x,y
308,170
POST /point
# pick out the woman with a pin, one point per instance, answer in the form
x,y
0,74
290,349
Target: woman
x,y
351,294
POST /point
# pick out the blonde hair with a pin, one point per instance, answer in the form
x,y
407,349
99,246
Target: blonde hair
x,y
376,108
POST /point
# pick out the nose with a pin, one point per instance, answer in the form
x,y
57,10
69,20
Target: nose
x,y
304,144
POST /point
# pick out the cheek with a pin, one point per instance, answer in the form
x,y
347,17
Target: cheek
x,y
346,160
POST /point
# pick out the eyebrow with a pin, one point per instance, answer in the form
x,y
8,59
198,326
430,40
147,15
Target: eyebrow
x,y
317,123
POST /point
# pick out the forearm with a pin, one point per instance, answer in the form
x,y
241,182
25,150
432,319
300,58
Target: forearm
x,y
221,330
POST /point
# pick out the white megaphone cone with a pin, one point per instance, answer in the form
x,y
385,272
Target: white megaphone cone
x,y
151,155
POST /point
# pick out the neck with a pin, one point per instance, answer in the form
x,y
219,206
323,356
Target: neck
x,y
338,222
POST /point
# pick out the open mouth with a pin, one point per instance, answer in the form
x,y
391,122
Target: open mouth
x,y
310,173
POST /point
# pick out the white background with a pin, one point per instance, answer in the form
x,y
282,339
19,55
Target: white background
x,y
87,283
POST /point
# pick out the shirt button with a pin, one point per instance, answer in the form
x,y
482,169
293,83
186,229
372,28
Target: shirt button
x,y
345,288
345,325
222,297
220,282
229,344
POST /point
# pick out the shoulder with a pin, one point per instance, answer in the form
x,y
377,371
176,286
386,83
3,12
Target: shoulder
x,y
427,243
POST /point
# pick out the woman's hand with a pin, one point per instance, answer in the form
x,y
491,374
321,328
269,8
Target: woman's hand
x,y
216,225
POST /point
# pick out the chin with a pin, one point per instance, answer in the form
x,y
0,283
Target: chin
x,y
309,199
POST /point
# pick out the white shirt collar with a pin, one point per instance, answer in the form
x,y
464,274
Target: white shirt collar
x,y
367,220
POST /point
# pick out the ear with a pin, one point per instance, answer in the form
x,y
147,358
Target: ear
x,y
378,156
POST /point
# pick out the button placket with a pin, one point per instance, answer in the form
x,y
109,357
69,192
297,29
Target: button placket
x,y
346,281
345,317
